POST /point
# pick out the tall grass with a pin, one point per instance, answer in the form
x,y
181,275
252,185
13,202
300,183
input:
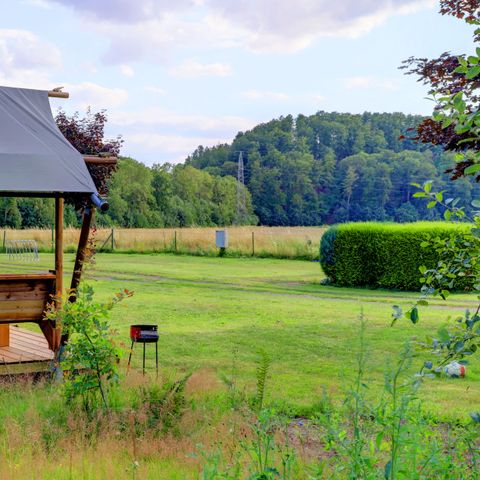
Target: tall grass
x,y
276,242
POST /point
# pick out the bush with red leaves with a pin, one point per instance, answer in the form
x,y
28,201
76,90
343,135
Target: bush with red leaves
x,y
444,79
87,134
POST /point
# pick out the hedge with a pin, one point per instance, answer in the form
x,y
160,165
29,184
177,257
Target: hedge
x,y
381,255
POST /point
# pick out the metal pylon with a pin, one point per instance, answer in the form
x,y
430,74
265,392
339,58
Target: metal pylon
x,y
241,216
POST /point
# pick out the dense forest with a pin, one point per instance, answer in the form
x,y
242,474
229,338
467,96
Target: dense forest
x,y
309,170
335,167
140,196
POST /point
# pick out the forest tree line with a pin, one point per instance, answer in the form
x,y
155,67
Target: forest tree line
x,y
309,170
140,196
336,167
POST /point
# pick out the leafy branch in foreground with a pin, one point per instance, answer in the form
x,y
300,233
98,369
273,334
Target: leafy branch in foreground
x,y
458,268
91,356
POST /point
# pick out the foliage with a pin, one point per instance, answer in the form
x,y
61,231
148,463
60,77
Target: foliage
x,y
458,265
391,437
369,254
90,357
263,367
332,167
309,170
87,133
163,404
453,82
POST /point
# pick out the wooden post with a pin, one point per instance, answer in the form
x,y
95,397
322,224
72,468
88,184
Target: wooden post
x,y
175,241
50,330
253,244
5,335
113,240
59,204
81,251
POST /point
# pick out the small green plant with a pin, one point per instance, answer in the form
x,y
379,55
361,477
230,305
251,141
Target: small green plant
x,y
399,427
269,459
263,367
91,356
351,439
163,404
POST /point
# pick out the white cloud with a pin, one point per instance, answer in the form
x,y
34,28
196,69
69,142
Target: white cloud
x,y
194,69
38,3
158,117
262,95
127,70
88,94
169,136
23,62
370,83
125,11
171,148
23,50
154,30
155,89
291,26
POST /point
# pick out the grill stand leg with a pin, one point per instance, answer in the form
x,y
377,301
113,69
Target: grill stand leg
x,y
156,356
144,358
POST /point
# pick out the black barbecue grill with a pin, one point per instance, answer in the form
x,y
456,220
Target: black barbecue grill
x,y
144,334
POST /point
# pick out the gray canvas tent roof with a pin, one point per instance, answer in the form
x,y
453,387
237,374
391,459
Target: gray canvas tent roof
x,y
35,158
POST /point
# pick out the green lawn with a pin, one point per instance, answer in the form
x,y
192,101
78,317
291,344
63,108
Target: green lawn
x,y
211,311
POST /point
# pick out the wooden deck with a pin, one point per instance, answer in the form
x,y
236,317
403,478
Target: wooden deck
x,y
28,353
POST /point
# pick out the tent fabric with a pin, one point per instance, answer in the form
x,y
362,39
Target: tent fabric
x,y
34,155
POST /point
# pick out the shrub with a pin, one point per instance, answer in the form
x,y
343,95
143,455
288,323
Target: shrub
x,y
381,255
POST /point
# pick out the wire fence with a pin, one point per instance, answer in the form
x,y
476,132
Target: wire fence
x,y
278,242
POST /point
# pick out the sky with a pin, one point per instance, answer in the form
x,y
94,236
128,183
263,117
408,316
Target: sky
x,y
175,74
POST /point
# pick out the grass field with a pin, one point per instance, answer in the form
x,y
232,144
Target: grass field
x,y
212,311
277,242
214,315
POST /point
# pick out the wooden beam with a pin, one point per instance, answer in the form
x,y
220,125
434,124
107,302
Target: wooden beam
x,y
58,94
99,160
81,251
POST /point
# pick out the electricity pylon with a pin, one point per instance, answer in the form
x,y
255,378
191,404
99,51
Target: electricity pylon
x,y
241,216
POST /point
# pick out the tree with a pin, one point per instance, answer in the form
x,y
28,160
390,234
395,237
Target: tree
x,y
454,82
87,134
347,186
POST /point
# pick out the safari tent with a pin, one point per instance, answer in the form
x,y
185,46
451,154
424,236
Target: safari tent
x,y
36,160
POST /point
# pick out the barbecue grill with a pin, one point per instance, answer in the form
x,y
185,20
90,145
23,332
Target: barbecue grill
x,y
144,334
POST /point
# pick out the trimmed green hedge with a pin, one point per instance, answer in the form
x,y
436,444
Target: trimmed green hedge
x,y
381,255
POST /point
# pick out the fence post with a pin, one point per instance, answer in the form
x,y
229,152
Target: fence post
x,y
52,241
4,240
175,241
253,244
113,239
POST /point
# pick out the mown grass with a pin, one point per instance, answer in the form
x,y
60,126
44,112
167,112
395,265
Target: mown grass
x,y
214,315
212,310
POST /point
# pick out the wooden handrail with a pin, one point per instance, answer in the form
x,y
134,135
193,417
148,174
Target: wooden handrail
x,y
27,276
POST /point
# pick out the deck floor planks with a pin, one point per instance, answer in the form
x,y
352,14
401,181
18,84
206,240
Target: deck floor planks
x,y
25,346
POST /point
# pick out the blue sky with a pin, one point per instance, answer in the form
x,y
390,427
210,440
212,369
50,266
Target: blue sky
x,y
173,74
